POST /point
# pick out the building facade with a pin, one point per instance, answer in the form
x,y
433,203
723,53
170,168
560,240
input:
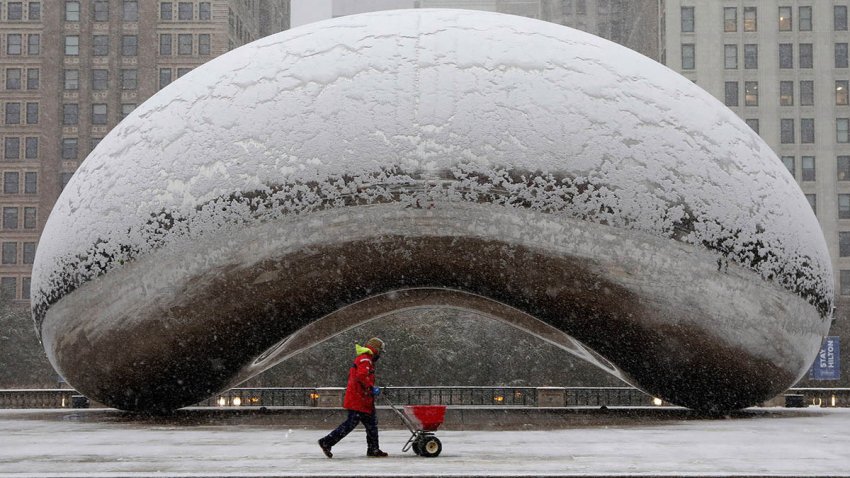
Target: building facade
x,y
782,66
72,70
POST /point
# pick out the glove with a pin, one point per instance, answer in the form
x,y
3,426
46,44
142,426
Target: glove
x,y
376,391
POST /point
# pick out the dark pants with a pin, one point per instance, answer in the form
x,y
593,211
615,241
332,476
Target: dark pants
x,y
370,421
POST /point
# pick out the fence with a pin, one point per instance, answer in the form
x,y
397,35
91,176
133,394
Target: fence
x,y
452,396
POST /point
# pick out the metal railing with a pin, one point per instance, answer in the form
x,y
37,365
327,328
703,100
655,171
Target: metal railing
x,y
38,398
495,396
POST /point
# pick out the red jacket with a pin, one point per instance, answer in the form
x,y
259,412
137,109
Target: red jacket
x,y
361,379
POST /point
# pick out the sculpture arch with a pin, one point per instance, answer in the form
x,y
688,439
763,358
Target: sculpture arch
x,y
504,164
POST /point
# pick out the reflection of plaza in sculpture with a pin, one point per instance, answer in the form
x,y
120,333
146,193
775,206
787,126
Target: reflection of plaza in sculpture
x,y
328,175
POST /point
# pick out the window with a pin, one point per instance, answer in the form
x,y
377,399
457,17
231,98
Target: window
x,y
165,11
13,78
100,45
64,179
806,55
95,142
753,123
33,44
33,75
807,130
34,11
100,10
731,93
841,55
807,93
786,93
99,80
785,19
29,252
164,77
204,11
185,11
204,44
12,148
843,251
72,11
30,183
805,19
13,113
32,113
839,18
788,161
70,114
14,44
786,55
10,182
751,93
688,56
10,253
844,206
30,216
126,109
842,125
130,12
182,71
581,7
98,113
751,56
184,44
807,166
165,45
730,19
841,96
813,202
72,79
687,19
14,11
129,45
72,45
10,218
129,79
786,131
69,148
8,288
750,19
844,168
730,57
31,149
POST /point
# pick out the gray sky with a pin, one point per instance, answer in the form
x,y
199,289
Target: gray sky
x,y
308,11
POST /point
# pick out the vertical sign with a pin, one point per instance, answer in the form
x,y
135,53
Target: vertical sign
x,y
827,365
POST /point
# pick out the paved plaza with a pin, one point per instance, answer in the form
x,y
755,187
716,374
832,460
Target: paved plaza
x,y
100,443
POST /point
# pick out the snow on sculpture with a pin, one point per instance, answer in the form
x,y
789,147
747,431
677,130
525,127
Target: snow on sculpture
x,y
332,173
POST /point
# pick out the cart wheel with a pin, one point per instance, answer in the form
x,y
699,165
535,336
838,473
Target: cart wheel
x,y
431,447
416,448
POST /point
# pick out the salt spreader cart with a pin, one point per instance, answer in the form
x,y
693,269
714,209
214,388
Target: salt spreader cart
x,y
422,421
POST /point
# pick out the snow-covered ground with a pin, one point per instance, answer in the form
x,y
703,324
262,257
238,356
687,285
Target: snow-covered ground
x,y
811,441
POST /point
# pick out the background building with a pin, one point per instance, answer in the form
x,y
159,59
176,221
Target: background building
x,y
71,70
782,66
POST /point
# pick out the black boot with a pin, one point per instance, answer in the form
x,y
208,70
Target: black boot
x,y
326,449
376,453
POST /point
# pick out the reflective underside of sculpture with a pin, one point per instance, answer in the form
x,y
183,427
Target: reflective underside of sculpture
x,y
331,174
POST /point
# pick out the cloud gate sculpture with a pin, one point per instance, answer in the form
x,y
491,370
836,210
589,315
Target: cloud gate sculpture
x,y
325,176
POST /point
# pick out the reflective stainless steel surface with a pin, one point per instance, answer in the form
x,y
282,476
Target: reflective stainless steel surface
x,y
550,179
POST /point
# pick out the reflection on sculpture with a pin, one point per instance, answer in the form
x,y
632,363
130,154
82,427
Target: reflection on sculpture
x,y
333,173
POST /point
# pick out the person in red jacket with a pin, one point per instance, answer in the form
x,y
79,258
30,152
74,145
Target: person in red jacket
x,y
360,400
